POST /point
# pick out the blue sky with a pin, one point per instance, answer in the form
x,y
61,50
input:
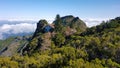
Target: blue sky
x,y
47,9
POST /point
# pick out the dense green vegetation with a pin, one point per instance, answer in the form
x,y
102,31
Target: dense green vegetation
x,y
97,47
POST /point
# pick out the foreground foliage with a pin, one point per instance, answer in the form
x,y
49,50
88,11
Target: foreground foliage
x,y
64,57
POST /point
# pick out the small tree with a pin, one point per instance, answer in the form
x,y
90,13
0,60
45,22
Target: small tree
x,y
58,24
59,39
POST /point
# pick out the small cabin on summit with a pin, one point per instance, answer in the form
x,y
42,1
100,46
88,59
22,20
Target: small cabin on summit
x,y
48,28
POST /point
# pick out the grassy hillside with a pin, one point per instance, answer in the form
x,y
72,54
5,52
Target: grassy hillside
x,y
12,45
6,42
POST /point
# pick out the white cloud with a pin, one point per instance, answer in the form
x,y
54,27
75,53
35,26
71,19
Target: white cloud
x,y
93,22
16,28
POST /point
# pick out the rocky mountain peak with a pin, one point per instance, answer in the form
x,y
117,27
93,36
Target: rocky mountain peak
x,y
40,26
44,33
73,22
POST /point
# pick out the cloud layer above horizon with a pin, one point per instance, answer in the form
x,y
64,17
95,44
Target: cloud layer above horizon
x,y
19,28
9,28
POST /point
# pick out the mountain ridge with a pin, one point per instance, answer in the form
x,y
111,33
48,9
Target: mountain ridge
x,y
60,45
48,32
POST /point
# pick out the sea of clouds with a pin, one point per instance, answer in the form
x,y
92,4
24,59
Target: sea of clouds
x,y
10,28
93,22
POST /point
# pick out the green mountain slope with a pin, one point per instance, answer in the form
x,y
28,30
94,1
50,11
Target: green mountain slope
x,y
52,47
13,45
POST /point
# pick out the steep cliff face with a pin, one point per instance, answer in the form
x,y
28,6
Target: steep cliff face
x,y
40,26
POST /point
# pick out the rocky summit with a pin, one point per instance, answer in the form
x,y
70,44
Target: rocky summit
x,y
73,22
45,32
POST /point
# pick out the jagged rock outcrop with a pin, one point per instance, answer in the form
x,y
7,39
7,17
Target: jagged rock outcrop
x,y
73,22
69,25
40,26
